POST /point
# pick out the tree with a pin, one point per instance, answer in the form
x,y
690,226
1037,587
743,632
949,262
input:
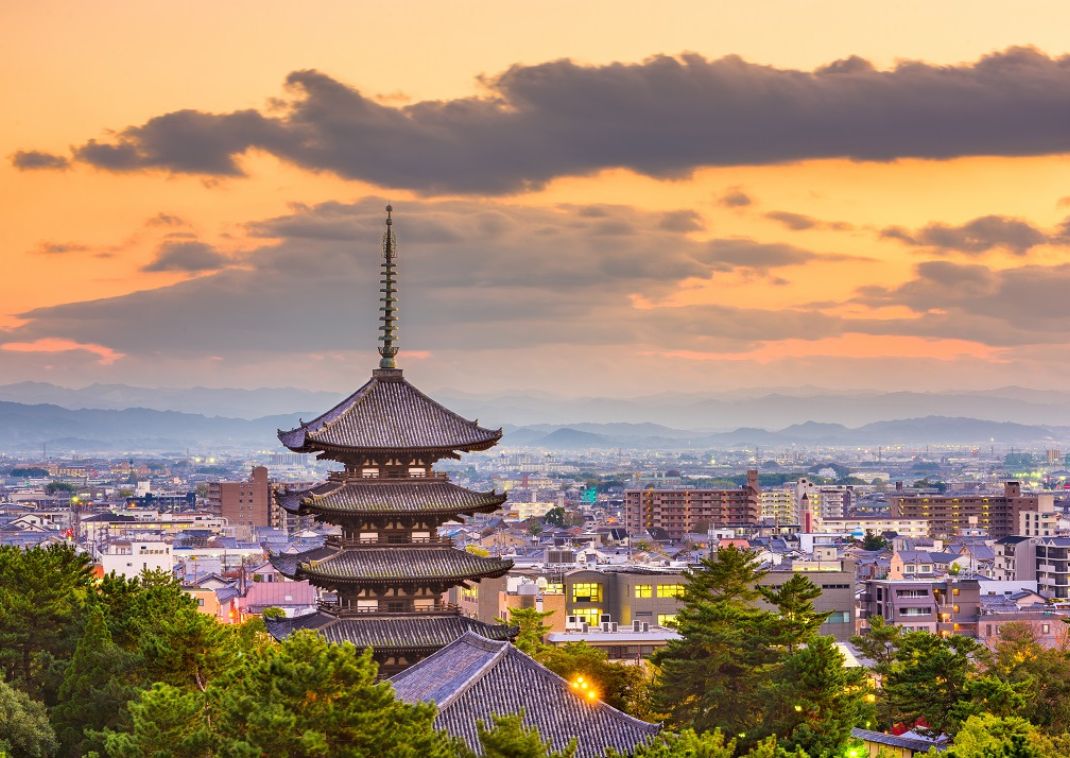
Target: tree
x,y
555,516
1041,676
686,744
712,676
927,678
532,629
302,697
989,736
819,700
873,541
94,692
41,596
509,738
618,684
24,727
794,600
879,644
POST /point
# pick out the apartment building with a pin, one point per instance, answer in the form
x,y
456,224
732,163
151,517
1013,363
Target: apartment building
x,y
247,503
997,515
940,607
685,510
1052,571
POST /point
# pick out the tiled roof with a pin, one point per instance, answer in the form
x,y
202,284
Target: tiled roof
x,y
916,743
474,678
280,593
386,496
419,632
390,564
388,413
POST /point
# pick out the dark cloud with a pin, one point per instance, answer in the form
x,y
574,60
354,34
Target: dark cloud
x,y
1024,305
663,117
799,222
682,221
474,276
166,219
735,198
186,256
977,236
31,160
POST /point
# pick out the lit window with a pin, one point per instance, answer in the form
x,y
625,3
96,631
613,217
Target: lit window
x,y
588,615
587,592
670,590
665,619
643,590
554,588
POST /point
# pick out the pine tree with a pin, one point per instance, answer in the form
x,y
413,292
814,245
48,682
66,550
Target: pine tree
x,y
794,600
532,629
927,678
24,727
94,692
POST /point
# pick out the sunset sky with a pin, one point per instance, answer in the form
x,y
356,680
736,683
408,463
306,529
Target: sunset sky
x,y
591,198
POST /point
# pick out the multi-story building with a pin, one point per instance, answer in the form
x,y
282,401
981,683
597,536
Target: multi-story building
x,y
129,558
778,507
998,515
939,607
685,510
1015,559
836,580
245,503
1053,572
860,525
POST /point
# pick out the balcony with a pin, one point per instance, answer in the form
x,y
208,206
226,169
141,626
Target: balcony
x,y
387,542
347,610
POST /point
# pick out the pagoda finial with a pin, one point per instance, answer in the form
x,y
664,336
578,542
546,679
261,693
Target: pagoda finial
x,y
389,328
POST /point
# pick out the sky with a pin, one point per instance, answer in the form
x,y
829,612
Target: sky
x,y
601,198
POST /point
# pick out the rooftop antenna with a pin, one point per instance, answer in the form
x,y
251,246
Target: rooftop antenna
x,y
388,348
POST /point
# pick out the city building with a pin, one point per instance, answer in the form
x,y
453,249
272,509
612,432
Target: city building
x,y
387,570
948,515
1053,566
939,607
245,503
128,558
682,511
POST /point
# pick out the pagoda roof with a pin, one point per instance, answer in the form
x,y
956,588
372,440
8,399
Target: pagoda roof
x,y
396,563
389,414
417,632
474,678
389,497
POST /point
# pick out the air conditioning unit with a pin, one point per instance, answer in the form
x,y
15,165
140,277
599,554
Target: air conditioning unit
x,y
606,626
605,618
585,627
613,626
572,623
646,627
637,626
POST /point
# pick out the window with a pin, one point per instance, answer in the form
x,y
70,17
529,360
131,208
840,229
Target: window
x,y
670,590
470,593
643,590
588,615
915,611
587,592
664,619
554,588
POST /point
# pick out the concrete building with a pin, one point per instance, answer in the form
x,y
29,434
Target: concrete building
x,y
128,558
777,506
836,580
997,515
245,503
1015,559
940,607
680,511
859,525
1053,572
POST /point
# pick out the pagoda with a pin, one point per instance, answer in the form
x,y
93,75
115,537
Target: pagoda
x,y
384,577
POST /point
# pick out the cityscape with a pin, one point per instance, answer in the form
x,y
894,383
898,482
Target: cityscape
x,y
683,388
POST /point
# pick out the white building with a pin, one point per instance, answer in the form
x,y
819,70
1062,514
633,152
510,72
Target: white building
x,y
128,558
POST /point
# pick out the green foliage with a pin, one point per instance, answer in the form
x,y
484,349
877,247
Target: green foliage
x,y
1040,676
24,727
687,744
794,601
989,736
41,595
873,541
303,697
53,487
555,516
509,738
619,684
879,644
927,677
28,472
532,629
95,688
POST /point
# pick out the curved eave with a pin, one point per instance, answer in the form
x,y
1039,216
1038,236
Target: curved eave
x,y
297,440
304,571
300,503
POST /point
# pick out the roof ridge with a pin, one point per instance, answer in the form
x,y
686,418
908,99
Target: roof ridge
x,y
484,643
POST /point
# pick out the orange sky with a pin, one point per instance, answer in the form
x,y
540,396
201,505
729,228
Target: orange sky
x,y
74,72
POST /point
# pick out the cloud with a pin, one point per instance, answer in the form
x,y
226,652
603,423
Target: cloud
x,y
474,276
682,221
799,222
735,198
60,248
663,117
33,160
974,237
189,257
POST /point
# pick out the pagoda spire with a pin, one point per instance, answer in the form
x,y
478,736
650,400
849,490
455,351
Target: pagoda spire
x,y
388,348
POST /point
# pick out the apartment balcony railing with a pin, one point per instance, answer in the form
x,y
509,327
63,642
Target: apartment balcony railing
x,y
349,609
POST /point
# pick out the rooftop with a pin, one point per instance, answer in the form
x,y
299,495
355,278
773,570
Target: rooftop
x,y
388,564
389,496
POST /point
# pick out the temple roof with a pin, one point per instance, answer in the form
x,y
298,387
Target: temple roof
x,y
387,633
396,563
387,414
389,497
474,678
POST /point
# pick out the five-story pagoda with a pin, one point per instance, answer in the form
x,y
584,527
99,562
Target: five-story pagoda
x,y
388,569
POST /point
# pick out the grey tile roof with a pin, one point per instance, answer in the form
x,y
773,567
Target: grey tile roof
x,y
389,564
386,496
388,413
420,632
475,678
917,744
